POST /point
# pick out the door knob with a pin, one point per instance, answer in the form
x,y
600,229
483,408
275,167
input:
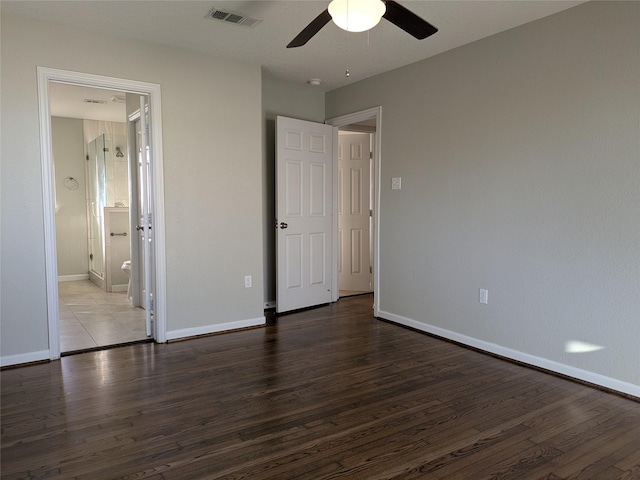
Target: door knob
x,y
283,225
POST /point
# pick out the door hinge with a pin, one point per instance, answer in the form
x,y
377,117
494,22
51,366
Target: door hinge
x,y
371,213
370,155
370,269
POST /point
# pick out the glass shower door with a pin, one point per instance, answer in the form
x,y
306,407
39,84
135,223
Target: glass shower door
x,y
97,201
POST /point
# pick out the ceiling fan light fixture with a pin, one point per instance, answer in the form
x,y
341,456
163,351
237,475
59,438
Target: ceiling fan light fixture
x,y
356,15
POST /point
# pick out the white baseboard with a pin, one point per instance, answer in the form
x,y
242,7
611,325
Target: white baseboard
x,y
98,281
560,368
73,278
24,358
220,327
119,288
171,335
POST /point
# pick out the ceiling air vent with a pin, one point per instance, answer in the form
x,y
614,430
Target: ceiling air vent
x,y
233,17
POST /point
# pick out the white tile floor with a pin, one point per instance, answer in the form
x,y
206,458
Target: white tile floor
x,y
91,317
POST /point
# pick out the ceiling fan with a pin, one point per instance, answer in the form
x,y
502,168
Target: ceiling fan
x,y
361,15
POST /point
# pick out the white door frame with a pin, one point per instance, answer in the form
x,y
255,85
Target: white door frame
x,y
374,113
46,75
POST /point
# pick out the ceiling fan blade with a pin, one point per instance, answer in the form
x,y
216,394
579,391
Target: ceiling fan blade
x,y
408,21
310,30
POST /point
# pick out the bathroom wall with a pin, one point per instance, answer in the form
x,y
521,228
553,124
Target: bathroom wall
x,y
117,172
117,168
69,149
71,213
117,248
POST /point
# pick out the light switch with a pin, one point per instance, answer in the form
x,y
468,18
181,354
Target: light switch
x,y
396,183
483,296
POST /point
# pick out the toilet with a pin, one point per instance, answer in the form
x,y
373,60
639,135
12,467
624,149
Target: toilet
x,y
126,268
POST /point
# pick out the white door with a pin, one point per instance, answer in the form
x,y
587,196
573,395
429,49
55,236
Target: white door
x,y
144,213
354,211
304,212
135,209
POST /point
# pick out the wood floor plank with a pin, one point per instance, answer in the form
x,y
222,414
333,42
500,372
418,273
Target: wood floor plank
x,y
453,462
600,453
329,393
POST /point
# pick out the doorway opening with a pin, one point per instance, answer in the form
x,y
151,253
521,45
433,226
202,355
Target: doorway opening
x,y
359,147
355,211
96,294
92,197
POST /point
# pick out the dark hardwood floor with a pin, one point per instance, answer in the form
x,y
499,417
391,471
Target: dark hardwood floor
x,y
330,393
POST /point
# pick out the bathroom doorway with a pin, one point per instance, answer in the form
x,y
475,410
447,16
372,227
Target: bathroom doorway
x,y
91,160
90,302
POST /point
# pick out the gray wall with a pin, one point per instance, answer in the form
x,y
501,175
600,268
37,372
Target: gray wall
x,y
520,169
288,100
212,170
71,208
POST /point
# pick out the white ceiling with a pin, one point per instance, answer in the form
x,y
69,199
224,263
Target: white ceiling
x,y
183,24
71,101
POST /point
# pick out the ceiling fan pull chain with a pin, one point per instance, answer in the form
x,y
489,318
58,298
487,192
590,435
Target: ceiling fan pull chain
x,y
348,16
346,42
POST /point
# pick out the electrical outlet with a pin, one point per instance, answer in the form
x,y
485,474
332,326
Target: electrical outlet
x,y
483,296
247,281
